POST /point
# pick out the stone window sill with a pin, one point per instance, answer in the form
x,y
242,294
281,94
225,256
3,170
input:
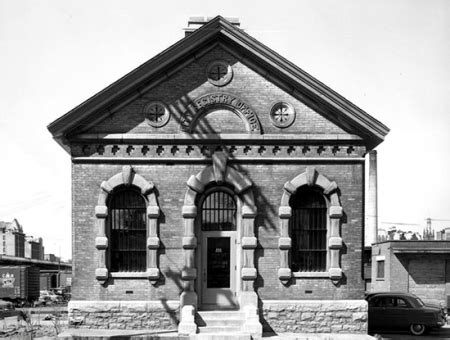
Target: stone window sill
x,y
311,274
380,279
129,275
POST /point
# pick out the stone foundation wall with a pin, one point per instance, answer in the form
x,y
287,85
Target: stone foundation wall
x,y
157,315
306,316
311,316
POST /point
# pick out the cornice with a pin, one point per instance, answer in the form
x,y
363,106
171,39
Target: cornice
x,y
207,160
245,150
187,138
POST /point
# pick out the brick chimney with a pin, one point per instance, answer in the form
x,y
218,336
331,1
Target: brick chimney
x,y
371,218
197,22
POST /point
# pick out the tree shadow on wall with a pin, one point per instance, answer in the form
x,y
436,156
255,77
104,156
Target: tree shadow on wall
x,y
267,328
175,277
206,148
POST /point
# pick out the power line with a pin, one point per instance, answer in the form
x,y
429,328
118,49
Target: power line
x,y
400,223
437,219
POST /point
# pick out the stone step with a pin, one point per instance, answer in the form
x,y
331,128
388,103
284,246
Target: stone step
x,y
220,323
223,323
230,336
219,330
220,319
221,315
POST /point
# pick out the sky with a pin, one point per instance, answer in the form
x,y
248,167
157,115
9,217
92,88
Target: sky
x,y
389,57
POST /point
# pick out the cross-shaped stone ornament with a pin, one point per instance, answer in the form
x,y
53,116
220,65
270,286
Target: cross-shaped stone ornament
x,y
218,72
156,112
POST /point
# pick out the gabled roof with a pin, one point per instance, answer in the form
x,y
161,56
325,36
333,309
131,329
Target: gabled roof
x,y
300,83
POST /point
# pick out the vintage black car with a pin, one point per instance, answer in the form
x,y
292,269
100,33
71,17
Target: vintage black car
x,y
7,310
389,311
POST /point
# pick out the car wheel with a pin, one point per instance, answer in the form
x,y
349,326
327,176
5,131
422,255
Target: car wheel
x,y
417,329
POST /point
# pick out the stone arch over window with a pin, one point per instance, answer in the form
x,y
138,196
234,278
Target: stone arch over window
x,y
127,178
218,173
312,179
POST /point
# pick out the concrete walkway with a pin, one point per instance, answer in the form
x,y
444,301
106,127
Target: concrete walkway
x,y
98,334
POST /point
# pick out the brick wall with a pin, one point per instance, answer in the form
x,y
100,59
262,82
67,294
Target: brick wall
x,y
426,275
381,251
170,179
427,278
170,182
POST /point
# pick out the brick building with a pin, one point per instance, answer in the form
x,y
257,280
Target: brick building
x,y
418,267
218,176
13,239
34,248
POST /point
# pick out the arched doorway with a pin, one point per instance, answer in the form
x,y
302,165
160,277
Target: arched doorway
x,y
217,226
222,198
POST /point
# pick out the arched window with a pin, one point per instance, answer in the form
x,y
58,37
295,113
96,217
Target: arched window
x,y
127,231
308,230
218,211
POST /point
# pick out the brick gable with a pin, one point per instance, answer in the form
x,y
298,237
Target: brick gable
x,y
189,83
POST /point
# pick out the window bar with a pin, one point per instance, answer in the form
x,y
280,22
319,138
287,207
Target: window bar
x,y
315,251
204,214
209,217
218,209
222,209
312,247
208,211
215,211
213,200
119,240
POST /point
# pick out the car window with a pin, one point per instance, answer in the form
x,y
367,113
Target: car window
x,y
377,302
390,302
373,302
382,301
420,302
401,303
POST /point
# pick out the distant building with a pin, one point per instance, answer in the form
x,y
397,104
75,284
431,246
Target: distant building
x,y
12,238
428,232
418,267
394,234
51,258
443,235
34,248
439,235
436,233
15,243
50,279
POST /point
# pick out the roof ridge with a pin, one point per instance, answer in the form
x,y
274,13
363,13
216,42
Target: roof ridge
x,y
189,46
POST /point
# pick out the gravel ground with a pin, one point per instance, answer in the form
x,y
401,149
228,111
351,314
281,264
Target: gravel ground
x,y
24,332
38,324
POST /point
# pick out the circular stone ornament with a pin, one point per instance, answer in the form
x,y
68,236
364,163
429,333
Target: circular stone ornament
x,y
156,113
219,73
282,114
